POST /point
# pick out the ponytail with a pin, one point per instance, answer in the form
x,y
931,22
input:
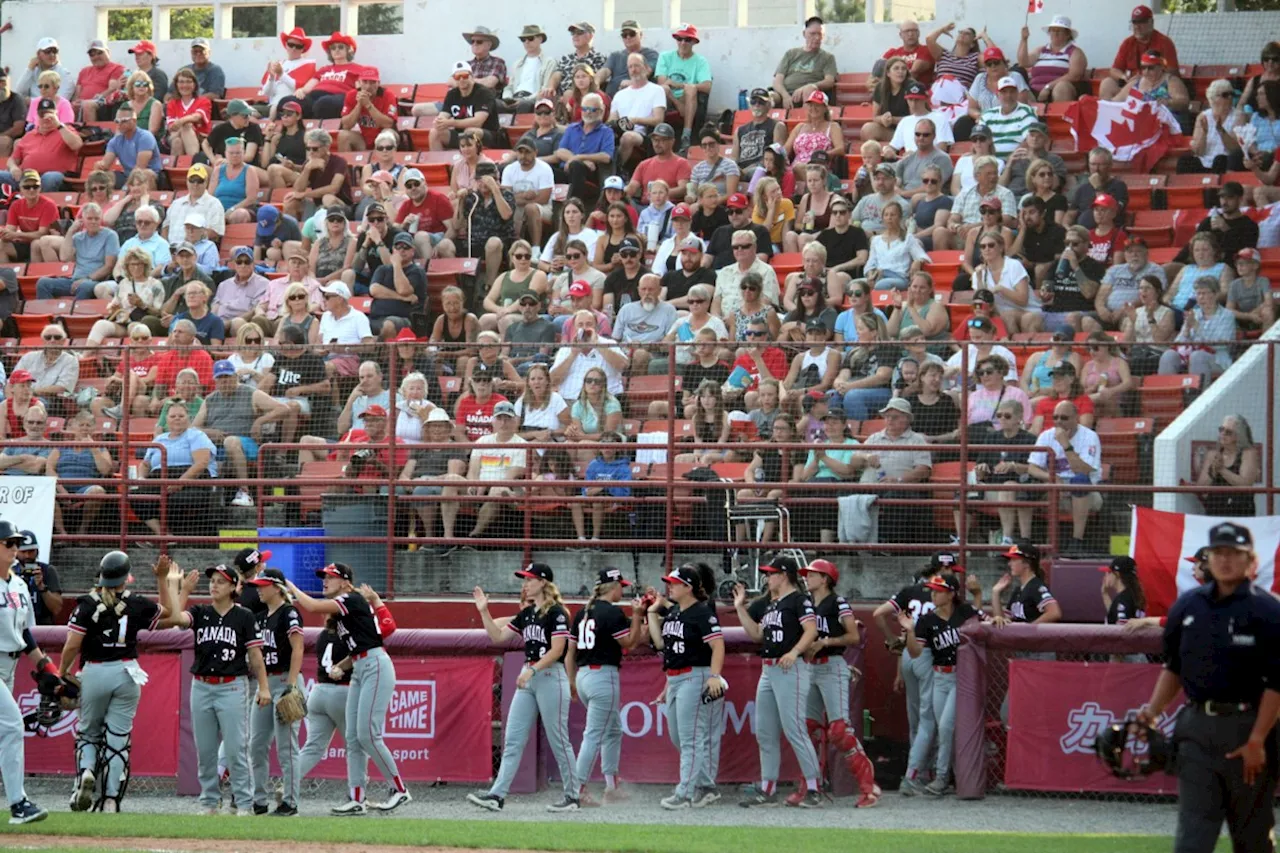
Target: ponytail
x,y
599,590
1134,585
706,582
551,593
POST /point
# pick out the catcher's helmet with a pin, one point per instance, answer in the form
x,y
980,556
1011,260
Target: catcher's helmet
x,y
1128,736
114,568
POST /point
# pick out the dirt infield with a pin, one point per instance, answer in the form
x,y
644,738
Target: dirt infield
x,y
197,845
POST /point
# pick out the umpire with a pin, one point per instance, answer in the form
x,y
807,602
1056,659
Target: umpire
x,y
1222,647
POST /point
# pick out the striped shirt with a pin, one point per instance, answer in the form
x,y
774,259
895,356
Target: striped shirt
x,y
1007,130
1051,65
963,68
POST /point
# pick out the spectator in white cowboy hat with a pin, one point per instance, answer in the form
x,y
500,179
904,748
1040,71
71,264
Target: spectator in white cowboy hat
x,y
1059,70
100,83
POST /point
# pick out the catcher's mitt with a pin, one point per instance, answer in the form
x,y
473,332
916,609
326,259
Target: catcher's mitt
x,y
291,706
70,699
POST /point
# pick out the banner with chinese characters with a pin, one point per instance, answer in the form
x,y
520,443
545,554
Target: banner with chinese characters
x,y
1057,709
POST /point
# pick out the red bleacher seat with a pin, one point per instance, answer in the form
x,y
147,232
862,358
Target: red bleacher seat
x,y
1156,226
1163,398
1184,191
48,307
1122,440
29,327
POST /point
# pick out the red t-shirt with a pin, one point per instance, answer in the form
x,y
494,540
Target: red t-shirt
x,y
32,218
359,436
1102,247
174,361
433,214
675,171
93,80
384,103
1044,409
1128,57
175,110
921,53
46,152
338,79
141,367
477,418
774,359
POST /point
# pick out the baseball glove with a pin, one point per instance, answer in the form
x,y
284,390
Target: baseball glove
x,y
291,706
895,645
70,699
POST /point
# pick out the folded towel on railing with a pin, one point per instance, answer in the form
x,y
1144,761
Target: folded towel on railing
x,y
859,519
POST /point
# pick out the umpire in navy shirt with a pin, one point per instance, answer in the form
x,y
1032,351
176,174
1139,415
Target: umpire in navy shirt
x,y
1222,648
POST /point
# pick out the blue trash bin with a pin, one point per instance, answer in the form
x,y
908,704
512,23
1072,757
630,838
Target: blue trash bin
x,y
298,561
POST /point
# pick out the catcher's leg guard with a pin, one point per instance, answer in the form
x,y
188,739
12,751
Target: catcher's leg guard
x,y
114,755
855,758
87,773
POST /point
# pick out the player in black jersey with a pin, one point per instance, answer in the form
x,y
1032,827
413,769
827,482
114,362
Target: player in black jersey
x,y
1122,594
938,631
683,626
1031,600
783,622
103,633
228,649
542,689
373,683
600,632
282,654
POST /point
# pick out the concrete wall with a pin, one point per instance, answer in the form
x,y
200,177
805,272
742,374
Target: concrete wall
x,y
743,39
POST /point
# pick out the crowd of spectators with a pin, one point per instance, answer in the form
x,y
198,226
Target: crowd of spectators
x,y
667,233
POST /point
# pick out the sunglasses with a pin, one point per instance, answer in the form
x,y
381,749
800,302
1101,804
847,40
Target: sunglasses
x,y
384,148
55,50
987,371
253,340
593,380
377,219
409,185
976,324
857,294
297,297
479,41
840,211
987,245
31,186
573,256
141,84
626,34
195,179
240,262
742,246
628,253
47,86
749,288
929,181
1004,416
521,256
685,40
994,63
53,337
315,148
1059,419
542,112
295,46
527,39
696,301
591,109
752,333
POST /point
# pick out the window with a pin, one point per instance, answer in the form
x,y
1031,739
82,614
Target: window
x,y
320,20
128,24
253,22
191,22
380,19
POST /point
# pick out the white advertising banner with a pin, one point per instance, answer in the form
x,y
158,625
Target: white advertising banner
x,y
27,503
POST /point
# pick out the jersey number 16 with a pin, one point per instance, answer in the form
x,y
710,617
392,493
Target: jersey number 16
x,y
587,634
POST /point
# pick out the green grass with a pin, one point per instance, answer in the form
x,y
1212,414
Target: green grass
x,y
616,838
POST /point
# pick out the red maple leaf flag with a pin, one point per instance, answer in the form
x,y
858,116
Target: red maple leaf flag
x,y
1034,6
1132,130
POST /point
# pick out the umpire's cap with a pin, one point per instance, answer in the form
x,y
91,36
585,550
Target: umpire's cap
x,y
114,569
1229,535
538,571
250,559
10,533
336,570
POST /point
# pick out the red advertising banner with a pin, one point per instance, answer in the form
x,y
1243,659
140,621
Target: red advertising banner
x,y
155,728
444,702
647,752
1057,709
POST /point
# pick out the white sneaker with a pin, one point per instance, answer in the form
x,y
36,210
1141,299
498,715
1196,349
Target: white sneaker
x,y
82,796
397,798
242,498
350,809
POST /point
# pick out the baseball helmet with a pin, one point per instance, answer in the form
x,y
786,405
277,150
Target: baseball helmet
x,y
1120,738
114,568
9,531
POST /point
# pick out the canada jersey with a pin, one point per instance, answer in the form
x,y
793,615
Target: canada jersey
x,y
1123,608
222,640
596,632
914,600
942,636
539,631
356,625
830,612
106,636
782,622
330,649
687,636
277,628
1029,601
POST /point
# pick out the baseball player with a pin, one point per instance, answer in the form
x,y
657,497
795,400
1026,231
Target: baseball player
x,y
783,622
327,701
542,689
1031,600
830,677
103,633
247,563
228,651
939,632
282,655
915,675
373,683
17,618
685,629
599,633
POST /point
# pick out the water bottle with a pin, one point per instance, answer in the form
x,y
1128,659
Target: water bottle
x,y
743,103
867,721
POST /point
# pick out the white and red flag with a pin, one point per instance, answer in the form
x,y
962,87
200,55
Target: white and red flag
x,y
1034,6
1133,130
1161,543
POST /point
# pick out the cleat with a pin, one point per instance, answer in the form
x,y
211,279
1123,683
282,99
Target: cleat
x,y
397,799
492,802
25,811
704,797
82,795
111,805
759,799
285,810
260,809
676,803
586,801
794,799
350,809
807,800
568,804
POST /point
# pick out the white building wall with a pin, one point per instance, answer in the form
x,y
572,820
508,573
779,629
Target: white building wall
x,y
742,53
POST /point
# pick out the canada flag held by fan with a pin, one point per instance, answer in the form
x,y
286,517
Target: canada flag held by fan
x,y
1132,130
1034,6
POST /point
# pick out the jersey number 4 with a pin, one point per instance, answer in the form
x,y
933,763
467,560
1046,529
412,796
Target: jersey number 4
x,y
587,634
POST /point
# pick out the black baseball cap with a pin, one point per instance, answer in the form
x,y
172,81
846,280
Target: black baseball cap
x,y
47,105
1201,554
613,575
1121,566
629,243
685,575
1229,535
942,560
29,541
336,570
541,571
980,130
1063,368
1023,548
759,94
531,295
984,296
783,563
251,558
221,569
268,578
482,372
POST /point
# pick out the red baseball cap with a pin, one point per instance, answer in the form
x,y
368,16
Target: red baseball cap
x,y
1106,200
1248,253
737,201
1140,13
817,96
370,72
21,376
687,31
681,211
375,411
1151,58
291,106
406,334
992,54
144,46
579,289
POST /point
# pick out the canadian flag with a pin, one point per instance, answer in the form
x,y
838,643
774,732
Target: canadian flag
x,y
1132,129
1034,6
1161,543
